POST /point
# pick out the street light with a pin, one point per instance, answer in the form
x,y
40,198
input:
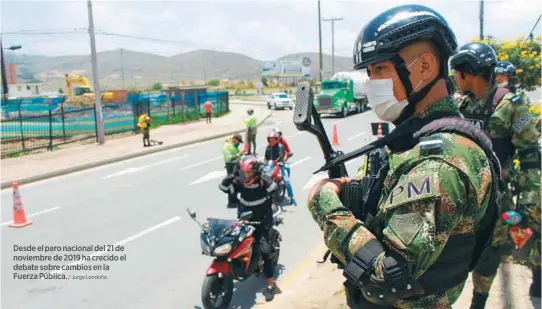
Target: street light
x,y
5,89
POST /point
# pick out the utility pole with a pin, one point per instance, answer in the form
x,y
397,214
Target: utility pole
x,y
332,20
122,67
5,87
481,19
320,41
530,36
96,81
4,78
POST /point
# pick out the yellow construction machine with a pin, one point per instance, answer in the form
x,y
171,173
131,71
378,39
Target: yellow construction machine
x,y
85,90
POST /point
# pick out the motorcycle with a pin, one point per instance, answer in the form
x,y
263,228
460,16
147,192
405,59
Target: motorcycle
x,y
231,242
273,169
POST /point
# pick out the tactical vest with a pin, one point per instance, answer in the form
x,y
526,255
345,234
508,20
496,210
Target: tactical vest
x,y
503,147
461,252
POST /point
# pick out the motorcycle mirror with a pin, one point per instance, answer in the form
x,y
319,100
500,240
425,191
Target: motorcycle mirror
x,y
191,213
303,108
290,154
245,215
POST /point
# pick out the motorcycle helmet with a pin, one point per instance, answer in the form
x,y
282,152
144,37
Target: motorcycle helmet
x,y
249,169
272,138
278,131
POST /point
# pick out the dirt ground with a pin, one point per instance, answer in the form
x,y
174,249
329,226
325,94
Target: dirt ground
x,y
320,286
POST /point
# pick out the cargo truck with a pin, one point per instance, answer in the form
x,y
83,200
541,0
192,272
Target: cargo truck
x,y
342,94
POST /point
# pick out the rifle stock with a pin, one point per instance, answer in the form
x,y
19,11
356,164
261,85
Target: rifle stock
x,y
304,115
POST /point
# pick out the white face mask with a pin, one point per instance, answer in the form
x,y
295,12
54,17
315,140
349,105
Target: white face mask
x,y
382,99
503,84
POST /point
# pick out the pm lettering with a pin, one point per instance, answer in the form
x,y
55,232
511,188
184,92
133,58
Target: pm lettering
x,y
413,189
425,185
518,126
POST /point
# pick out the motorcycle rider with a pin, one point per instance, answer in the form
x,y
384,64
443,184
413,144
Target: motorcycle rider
x,y
256,189
286,147
507,120
275,152
232,153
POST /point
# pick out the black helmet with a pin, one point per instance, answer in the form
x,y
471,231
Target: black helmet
x,y
505,68
474,58
385,35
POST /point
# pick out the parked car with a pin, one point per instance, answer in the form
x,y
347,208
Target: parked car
x,y
279,100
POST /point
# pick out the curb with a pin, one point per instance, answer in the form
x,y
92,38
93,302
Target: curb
x,y
81,167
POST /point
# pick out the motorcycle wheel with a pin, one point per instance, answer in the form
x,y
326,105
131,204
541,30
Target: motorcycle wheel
x,y
275,242
216,293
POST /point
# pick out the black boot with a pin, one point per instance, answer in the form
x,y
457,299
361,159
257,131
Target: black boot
x,y
478,300
534,290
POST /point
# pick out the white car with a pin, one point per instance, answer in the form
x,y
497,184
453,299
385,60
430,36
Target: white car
x,y
279,100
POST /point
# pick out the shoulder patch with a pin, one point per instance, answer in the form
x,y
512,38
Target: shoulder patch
x,y
516,99
431,144
406,226
412,189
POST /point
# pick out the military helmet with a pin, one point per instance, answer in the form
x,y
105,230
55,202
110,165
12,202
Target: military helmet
x,y
474,57
383,37
505,68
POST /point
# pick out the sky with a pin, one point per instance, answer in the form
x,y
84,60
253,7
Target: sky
x,y
264,30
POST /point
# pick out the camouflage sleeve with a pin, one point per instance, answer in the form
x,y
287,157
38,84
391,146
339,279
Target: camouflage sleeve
x,y
420,213
525,137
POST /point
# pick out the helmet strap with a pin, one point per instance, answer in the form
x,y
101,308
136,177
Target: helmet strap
x,y
413,98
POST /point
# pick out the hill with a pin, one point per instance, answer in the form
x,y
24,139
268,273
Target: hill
x,y
143,69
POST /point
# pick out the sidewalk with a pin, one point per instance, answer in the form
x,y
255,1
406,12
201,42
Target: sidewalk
x,y
320,286
54,163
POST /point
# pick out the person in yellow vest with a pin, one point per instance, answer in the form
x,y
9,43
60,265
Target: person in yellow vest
x,y
232,154
251,132
144,123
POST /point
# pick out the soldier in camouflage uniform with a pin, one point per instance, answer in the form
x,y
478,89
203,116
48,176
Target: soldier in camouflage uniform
x,y
433,198
505,77
510,125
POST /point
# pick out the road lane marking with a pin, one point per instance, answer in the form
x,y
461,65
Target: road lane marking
x,y
356,136
132,170
294,135
209,176
200,163
299,161
35,214
125,241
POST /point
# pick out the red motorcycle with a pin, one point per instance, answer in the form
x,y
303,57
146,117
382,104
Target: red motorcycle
x,y
230,242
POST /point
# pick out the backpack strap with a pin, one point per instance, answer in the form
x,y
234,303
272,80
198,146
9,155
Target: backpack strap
x,y
467,129
499,94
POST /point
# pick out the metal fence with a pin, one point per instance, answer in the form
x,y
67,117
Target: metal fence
x,y
32,125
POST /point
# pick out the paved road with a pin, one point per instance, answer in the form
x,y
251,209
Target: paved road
x,y
141,204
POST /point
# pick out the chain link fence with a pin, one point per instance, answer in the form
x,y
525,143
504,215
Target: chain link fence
x,y
31,125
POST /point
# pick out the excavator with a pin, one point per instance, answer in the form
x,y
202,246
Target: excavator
x,y
85,90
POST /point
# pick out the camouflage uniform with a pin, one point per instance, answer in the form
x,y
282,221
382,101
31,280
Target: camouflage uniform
x,y
512,118
456,188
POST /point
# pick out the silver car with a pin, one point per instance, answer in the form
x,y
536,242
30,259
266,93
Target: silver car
x,y
279,100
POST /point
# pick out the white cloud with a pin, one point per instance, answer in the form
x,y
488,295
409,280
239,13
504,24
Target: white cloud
x,y
265,30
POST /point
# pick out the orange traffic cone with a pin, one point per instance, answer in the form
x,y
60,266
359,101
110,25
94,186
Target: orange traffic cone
x,y
19,217
335,140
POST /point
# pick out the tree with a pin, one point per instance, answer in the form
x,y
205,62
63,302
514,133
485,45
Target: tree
x,y
157,86
524,55
213,82
264,81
